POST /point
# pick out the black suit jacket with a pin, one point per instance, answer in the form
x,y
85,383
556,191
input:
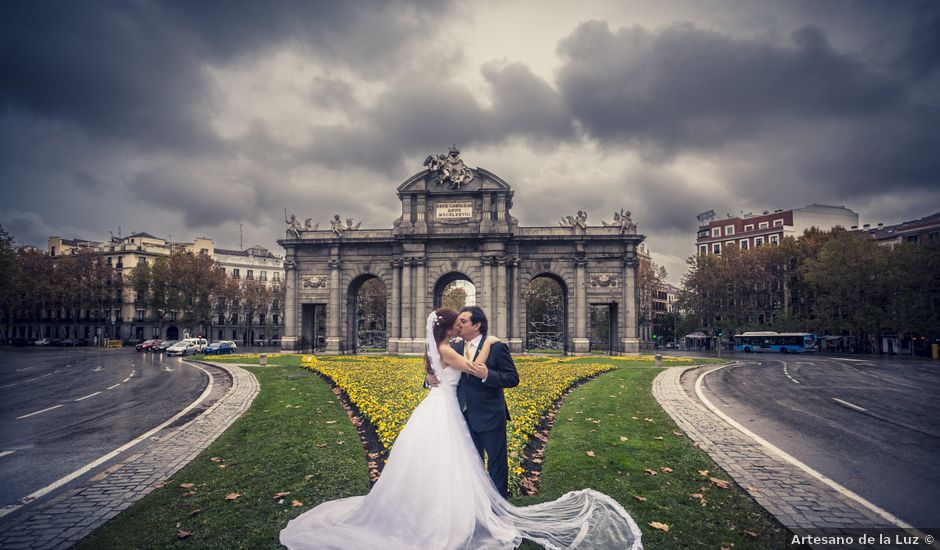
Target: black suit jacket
x,y
484,402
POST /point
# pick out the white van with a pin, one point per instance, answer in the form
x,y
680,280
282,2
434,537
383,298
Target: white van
x,y
200,343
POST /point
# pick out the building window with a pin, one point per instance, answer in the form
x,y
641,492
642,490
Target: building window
x,y
716,248
729,244
277,277
774,239
264,275
223,269
52,250
729,230
142,260
743,244
235,273
911,238
703,249
935,235
140,315
749,227
220,334
778,223
274,318
763,225
758,242
716,231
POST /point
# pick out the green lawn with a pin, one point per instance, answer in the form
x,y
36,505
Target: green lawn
x,y
290,441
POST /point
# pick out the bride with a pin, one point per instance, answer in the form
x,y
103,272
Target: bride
x,y
435,494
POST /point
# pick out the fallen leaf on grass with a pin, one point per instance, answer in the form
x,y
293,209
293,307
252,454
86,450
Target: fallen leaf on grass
x,y
222,466
680,434
590,453
650,471
321,445
282,494
661,526
650,420
638,497
658,438
330,422
340,442
295,503
186,485
194,512
666,470
180,534
703,473
308,477
188,494
751,534
720,483
622,438
232,496
215,459
699,496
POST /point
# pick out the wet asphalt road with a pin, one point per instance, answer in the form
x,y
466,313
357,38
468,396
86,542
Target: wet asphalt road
x,y
872,425
61,409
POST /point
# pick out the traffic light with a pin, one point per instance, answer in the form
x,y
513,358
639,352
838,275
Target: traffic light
x,y
654,337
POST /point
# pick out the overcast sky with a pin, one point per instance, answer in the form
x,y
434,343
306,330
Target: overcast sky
x,y
186,119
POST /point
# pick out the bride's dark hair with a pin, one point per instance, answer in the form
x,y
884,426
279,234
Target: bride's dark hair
x,y
446,318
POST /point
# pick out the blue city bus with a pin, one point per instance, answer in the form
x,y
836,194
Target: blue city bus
x,y
786,342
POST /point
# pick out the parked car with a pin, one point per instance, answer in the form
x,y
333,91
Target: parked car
x,y
43,342
163,345
200,343
220,348
183,347
147,345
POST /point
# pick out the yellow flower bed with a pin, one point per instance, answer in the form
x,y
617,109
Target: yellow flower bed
x,y
387,390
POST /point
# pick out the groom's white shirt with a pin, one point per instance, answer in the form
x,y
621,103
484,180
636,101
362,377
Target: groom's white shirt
x,y
474,345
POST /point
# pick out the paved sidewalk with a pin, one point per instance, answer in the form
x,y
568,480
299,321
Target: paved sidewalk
x,y
797,500
66,519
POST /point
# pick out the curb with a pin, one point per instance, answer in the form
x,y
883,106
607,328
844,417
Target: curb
x,y
797,500
68,518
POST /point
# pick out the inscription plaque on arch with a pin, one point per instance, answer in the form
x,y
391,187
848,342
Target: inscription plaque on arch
x,y
453,210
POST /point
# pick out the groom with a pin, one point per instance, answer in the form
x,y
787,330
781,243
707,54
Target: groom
x,y
480,394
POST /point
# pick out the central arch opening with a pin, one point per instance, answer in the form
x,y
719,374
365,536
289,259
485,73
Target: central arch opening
x,y
454,290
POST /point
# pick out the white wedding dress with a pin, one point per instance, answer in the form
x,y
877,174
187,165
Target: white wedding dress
x,y
435,494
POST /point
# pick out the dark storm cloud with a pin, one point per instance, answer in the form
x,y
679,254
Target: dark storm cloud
x,y
686,87
687,90
420,113
136,70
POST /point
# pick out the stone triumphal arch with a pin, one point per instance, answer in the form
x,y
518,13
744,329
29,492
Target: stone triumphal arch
x,y
455,224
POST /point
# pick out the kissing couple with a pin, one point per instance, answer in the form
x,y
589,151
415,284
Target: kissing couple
x,y
434,492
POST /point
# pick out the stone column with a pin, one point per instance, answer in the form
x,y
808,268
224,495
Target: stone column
x,y
407,302
393,323
290,339
334,338
421,305
486,223
515,308
630,343
581,342
485,293
500,313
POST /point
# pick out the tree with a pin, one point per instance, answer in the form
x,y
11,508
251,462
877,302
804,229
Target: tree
x,y
454,297
9,275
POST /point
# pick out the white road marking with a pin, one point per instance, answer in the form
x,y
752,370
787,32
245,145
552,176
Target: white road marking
x,y
849,405
5,453
38,412
856,360
131,375
21,370
792,460
99,369
125,380
86,468
87,396
787,372
114,386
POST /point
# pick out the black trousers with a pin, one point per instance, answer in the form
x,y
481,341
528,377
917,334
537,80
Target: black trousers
x,y
493,442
